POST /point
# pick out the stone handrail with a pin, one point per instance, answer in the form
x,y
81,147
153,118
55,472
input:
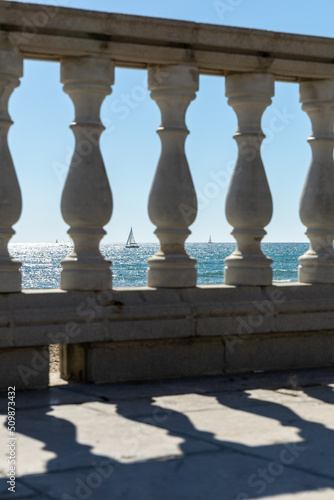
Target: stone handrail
x,y
195,323
50,33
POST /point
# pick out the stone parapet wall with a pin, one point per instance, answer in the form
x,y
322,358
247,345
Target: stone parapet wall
x,y
142,333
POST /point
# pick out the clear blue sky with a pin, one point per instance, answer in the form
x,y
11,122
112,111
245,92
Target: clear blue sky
x,y
41,141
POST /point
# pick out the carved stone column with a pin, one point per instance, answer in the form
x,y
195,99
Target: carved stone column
x,y
172,202
317,201
249,204
11,69
86,201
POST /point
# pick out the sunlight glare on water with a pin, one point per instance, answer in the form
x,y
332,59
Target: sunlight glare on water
x,y
41,262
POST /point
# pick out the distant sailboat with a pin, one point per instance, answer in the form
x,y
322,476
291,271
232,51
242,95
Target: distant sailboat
x,y
131,242
210,240
64,244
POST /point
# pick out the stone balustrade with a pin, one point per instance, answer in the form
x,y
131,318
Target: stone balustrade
x,y
169,335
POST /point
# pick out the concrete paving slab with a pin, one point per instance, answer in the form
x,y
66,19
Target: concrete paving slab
x,y
187,440
73,436
323,494
301,433
323,394
21,491
233,426
216,422
43,398
217,401
214,401
199,385
182,402
210,476
31,454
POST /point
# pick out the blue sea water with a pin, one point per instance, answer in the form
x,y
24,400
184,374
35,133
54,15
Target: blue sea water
x,y
41,262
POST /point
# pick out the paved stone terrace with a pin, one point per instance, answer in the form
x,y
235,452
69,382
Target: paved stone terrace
x,y
264,435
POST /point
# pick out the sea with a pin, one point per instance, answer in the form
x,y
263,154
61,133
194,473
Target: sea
x,y
41,262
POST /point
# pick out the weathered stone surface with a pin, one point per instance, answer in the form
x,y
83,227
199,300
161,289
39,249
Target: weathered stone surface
x,y
11,68
172,205
249,204
279,352
262,328
42,317
136,41
24,368
119,362
86,202
316,204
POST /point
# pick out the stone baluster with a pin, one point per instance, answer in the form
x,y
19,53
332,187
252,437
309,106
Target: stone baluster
x,y
172,202
249,204
11,69
86,201
317,201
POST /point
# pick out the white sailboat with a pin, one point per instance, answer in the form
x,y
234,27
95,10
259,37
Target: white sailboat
x,y
131,242
64,244
210,240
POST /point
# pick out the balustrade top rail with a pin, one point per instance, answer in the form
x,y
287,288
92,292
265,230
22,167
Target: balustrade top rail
x,y
50,33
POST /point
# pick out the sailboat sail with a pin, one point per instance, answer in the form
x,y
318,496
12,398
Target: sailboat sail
x,y
131,242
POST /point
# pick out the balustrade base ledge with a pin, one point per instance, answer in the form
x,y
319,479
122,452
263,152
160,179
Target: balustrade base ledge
x,y
142,333
24,368
167,278
114,362
241,274
316,273
87,280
